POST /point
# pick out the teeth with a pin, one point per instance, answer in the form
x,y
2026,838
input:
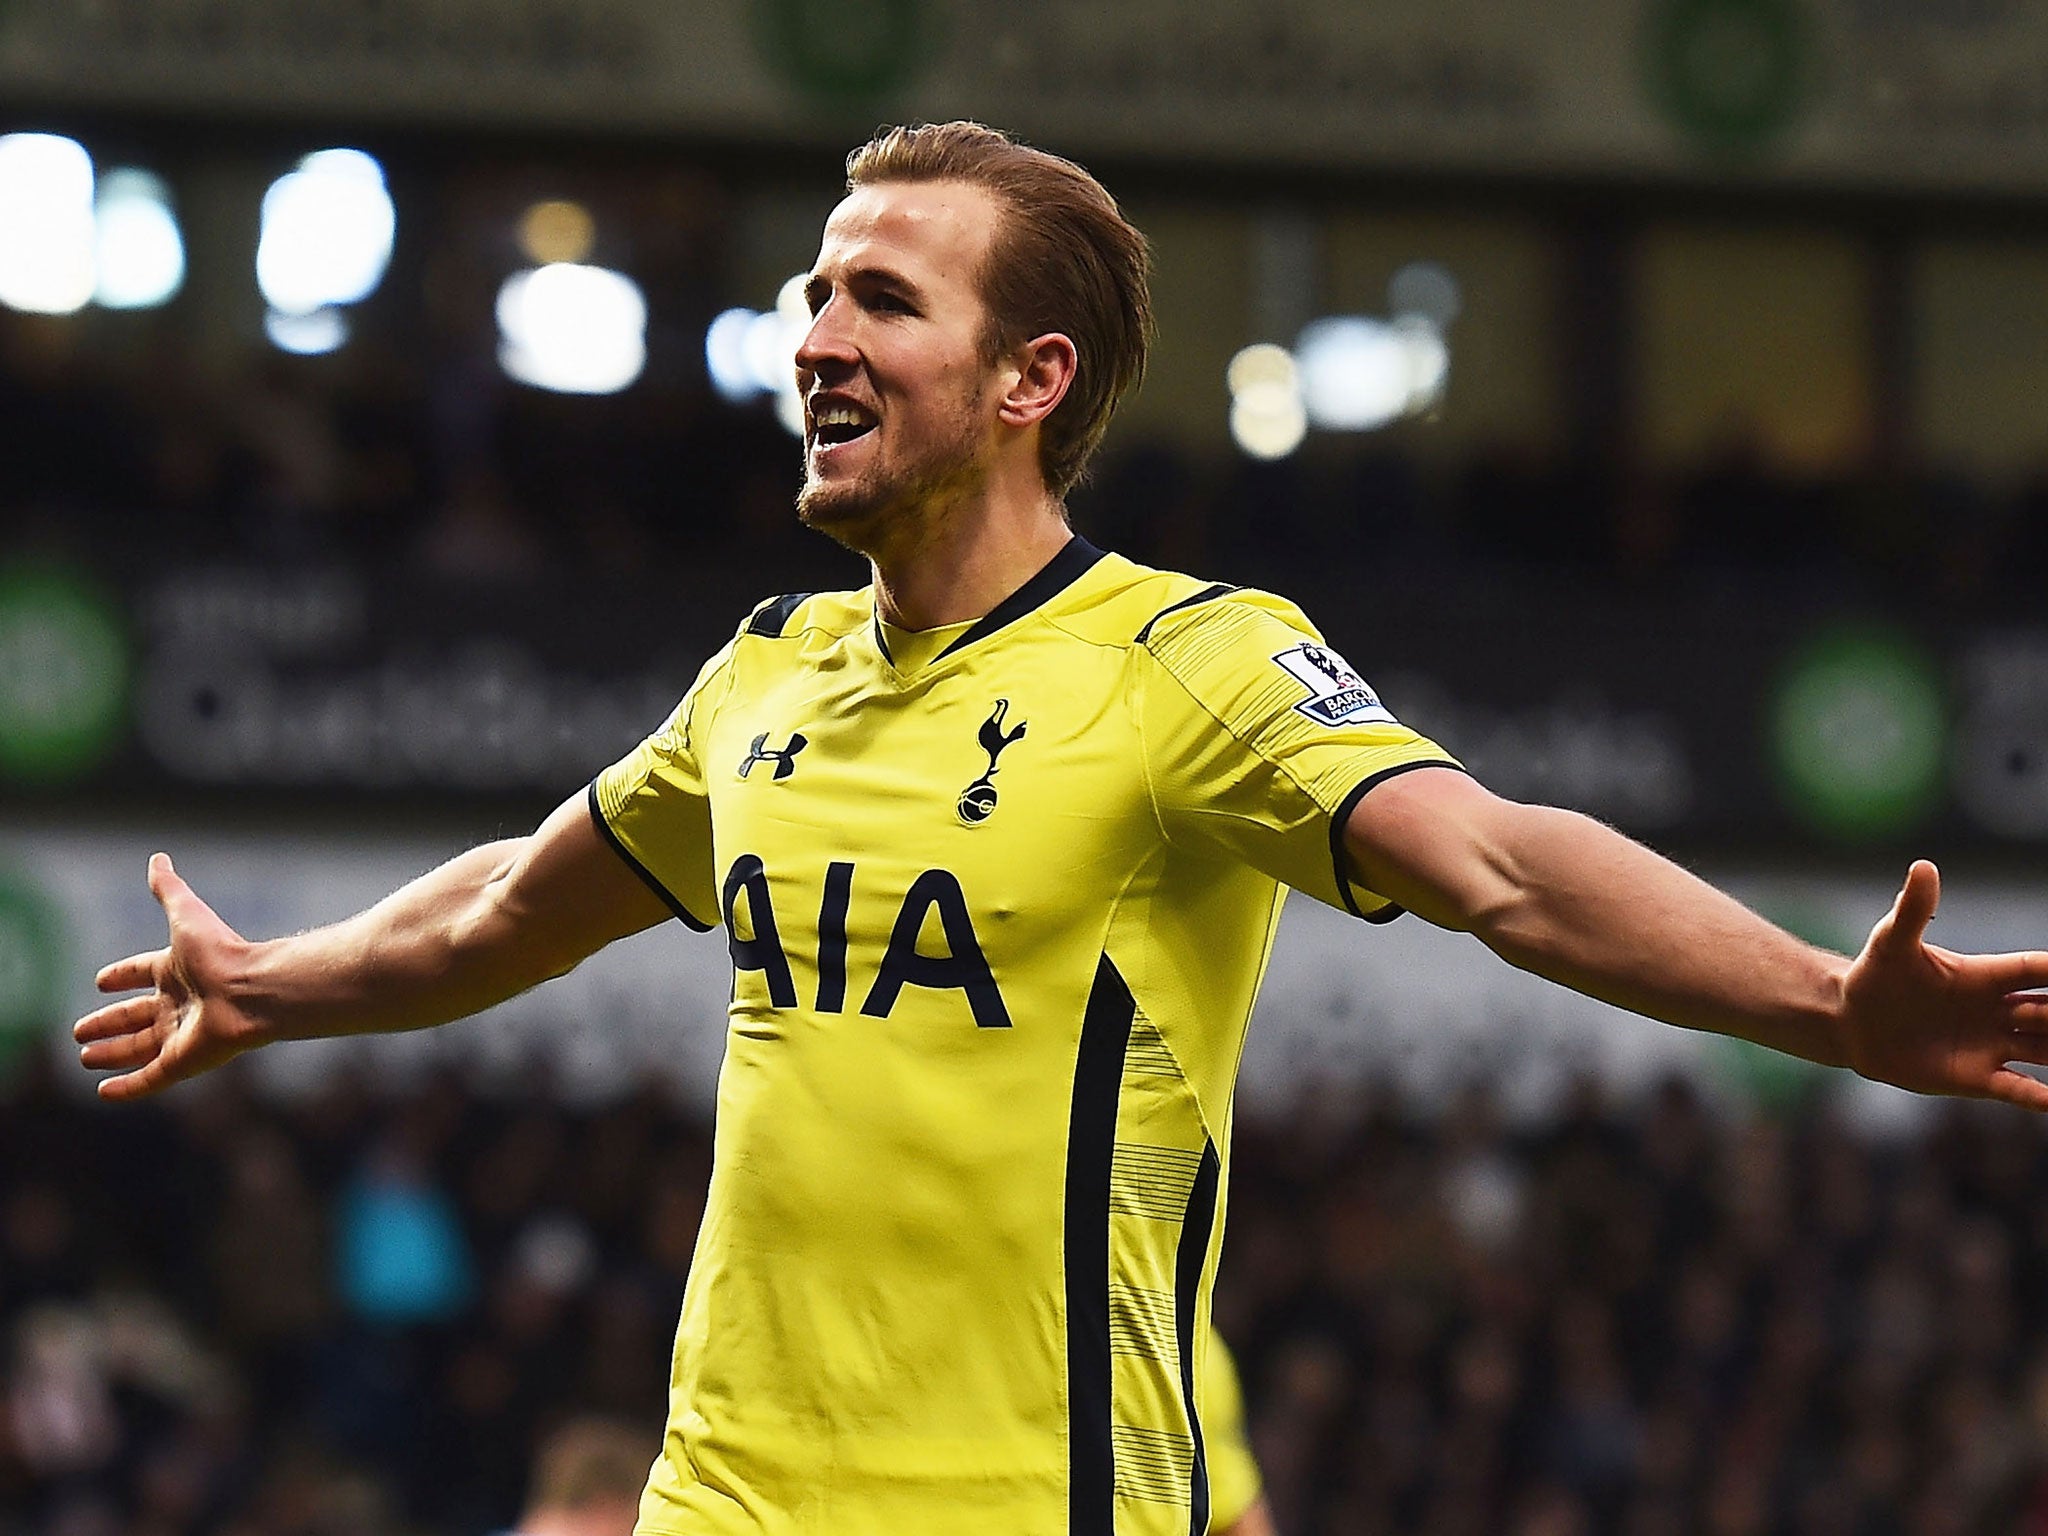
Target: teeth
x,y
840,416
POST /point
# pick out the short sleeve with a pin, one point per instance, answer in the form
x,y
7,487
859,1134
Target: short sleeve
x,y
653,806
1259,739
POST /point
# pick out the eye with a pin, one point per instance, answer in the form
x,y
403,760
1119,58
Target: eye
x,y
894,303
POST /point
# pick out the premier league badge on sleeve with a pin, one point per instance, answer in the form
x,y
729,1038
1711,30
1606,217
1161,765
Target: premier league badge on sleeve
x,y
1337,695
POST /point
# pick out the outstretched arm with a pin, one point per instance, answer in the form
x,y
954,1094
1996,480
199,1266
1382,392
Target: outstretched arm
x,y
1563,896
486,925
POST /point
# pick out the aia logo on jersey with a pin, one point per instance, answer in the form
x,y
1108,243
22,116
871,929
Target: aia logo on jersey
x,y
978,800
784,760
1337,694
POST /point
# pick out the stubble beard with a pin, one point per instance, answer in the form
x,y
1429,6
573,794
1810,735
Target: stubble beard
x,y
880,514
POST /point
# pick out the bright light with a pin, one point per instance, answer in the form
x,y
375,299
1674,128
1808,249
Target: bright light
x,y
557,230
46,224
577,330
749,353
328,228
793,306
789,410
1267,420
726,356
1266,416
140,254
1429,362
1263,362
776,351
771,354
1358,373
308,335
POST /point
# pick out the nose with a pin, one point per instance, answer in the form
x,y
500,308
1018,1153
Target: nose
x,y
827,344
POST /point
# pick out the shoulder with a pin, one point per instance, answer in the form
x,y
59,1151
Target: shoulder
x,y
1137,607
760,641
795,614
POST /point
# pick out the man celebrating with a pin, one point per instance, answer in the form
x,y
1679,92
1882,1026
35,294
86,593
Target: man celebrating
x,y
1000,844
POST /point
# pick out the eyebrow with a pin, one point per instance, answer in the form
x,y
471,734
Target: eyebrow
x,y
866,276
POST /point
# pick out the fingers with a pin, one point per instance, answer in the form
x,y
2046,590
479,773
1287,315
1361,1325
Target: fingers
x,y
137,1084
1905,926
169,888
2018,1088
122,1018
2011,976
2021,972
135,971
122,1052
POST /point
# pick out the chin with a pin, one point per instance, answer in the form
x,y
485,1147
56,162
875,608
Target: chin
x,y
826,505
850,514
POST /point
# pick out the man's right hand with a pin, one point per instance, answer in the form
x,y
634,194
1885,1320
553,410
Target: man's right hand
x,y
187,1021
469,933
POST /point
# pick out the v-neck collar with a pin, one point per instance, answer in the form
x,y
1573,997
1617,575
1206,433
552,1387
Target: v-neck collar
x,y
1074,560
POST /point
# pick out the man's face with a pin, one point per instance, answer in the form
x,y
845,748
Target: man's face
x,y
899,395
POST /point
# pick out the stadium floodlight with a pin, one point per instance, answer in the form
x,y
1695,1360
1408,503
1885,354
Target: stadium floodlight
x,y
789,410
46,224
1354,373
1429,362
1267,419
793,318
771,353
750,353
139,253
308,335
557,230
727,355
1359,373
328,229
1263,362
572,329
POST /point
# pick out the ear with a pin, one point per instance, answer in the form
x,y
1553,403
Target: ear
x,y
1042,371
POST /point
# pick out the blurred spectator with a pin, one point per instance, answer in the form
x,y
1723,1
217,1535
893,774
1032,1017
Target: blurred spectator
x,y
403,1255
1659,1319
587,1480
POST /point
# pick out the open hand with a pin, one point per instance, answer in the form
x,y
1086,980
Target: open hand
x,y
186,1022
1934,1021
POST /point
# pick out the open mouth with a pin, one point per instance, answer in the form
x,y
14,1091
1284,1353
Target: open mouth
x,y
834,424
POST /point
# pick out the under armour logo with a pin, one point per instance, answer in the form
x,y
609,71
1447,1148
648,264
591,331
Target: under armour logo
x,y
784,761
978,799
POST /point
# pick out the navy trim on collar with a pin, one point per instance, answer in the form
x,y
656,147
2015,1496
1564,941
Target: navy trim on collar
x,y
1073,561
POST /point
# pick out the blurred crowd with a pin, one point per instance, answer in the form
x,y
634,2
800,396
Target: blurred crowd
x,y
360,1314
423,458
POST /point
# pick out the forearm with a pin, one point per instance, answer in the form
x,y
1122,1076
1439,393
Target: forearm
x,y
1563,896
447,945
1582,905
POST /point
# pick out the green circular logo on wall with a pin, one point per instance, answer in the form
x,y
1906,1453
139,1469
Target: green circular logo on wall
x,y
63,675
1730,74
31,965
1858,731
844,52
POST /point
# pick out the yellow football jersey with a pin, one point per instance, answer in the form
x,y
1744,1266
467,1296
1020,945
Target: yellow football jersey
x,y
996,925
1234,1480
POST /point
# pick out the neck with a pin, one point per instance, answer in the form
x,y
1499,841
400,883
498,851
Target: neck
x,y
967,565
